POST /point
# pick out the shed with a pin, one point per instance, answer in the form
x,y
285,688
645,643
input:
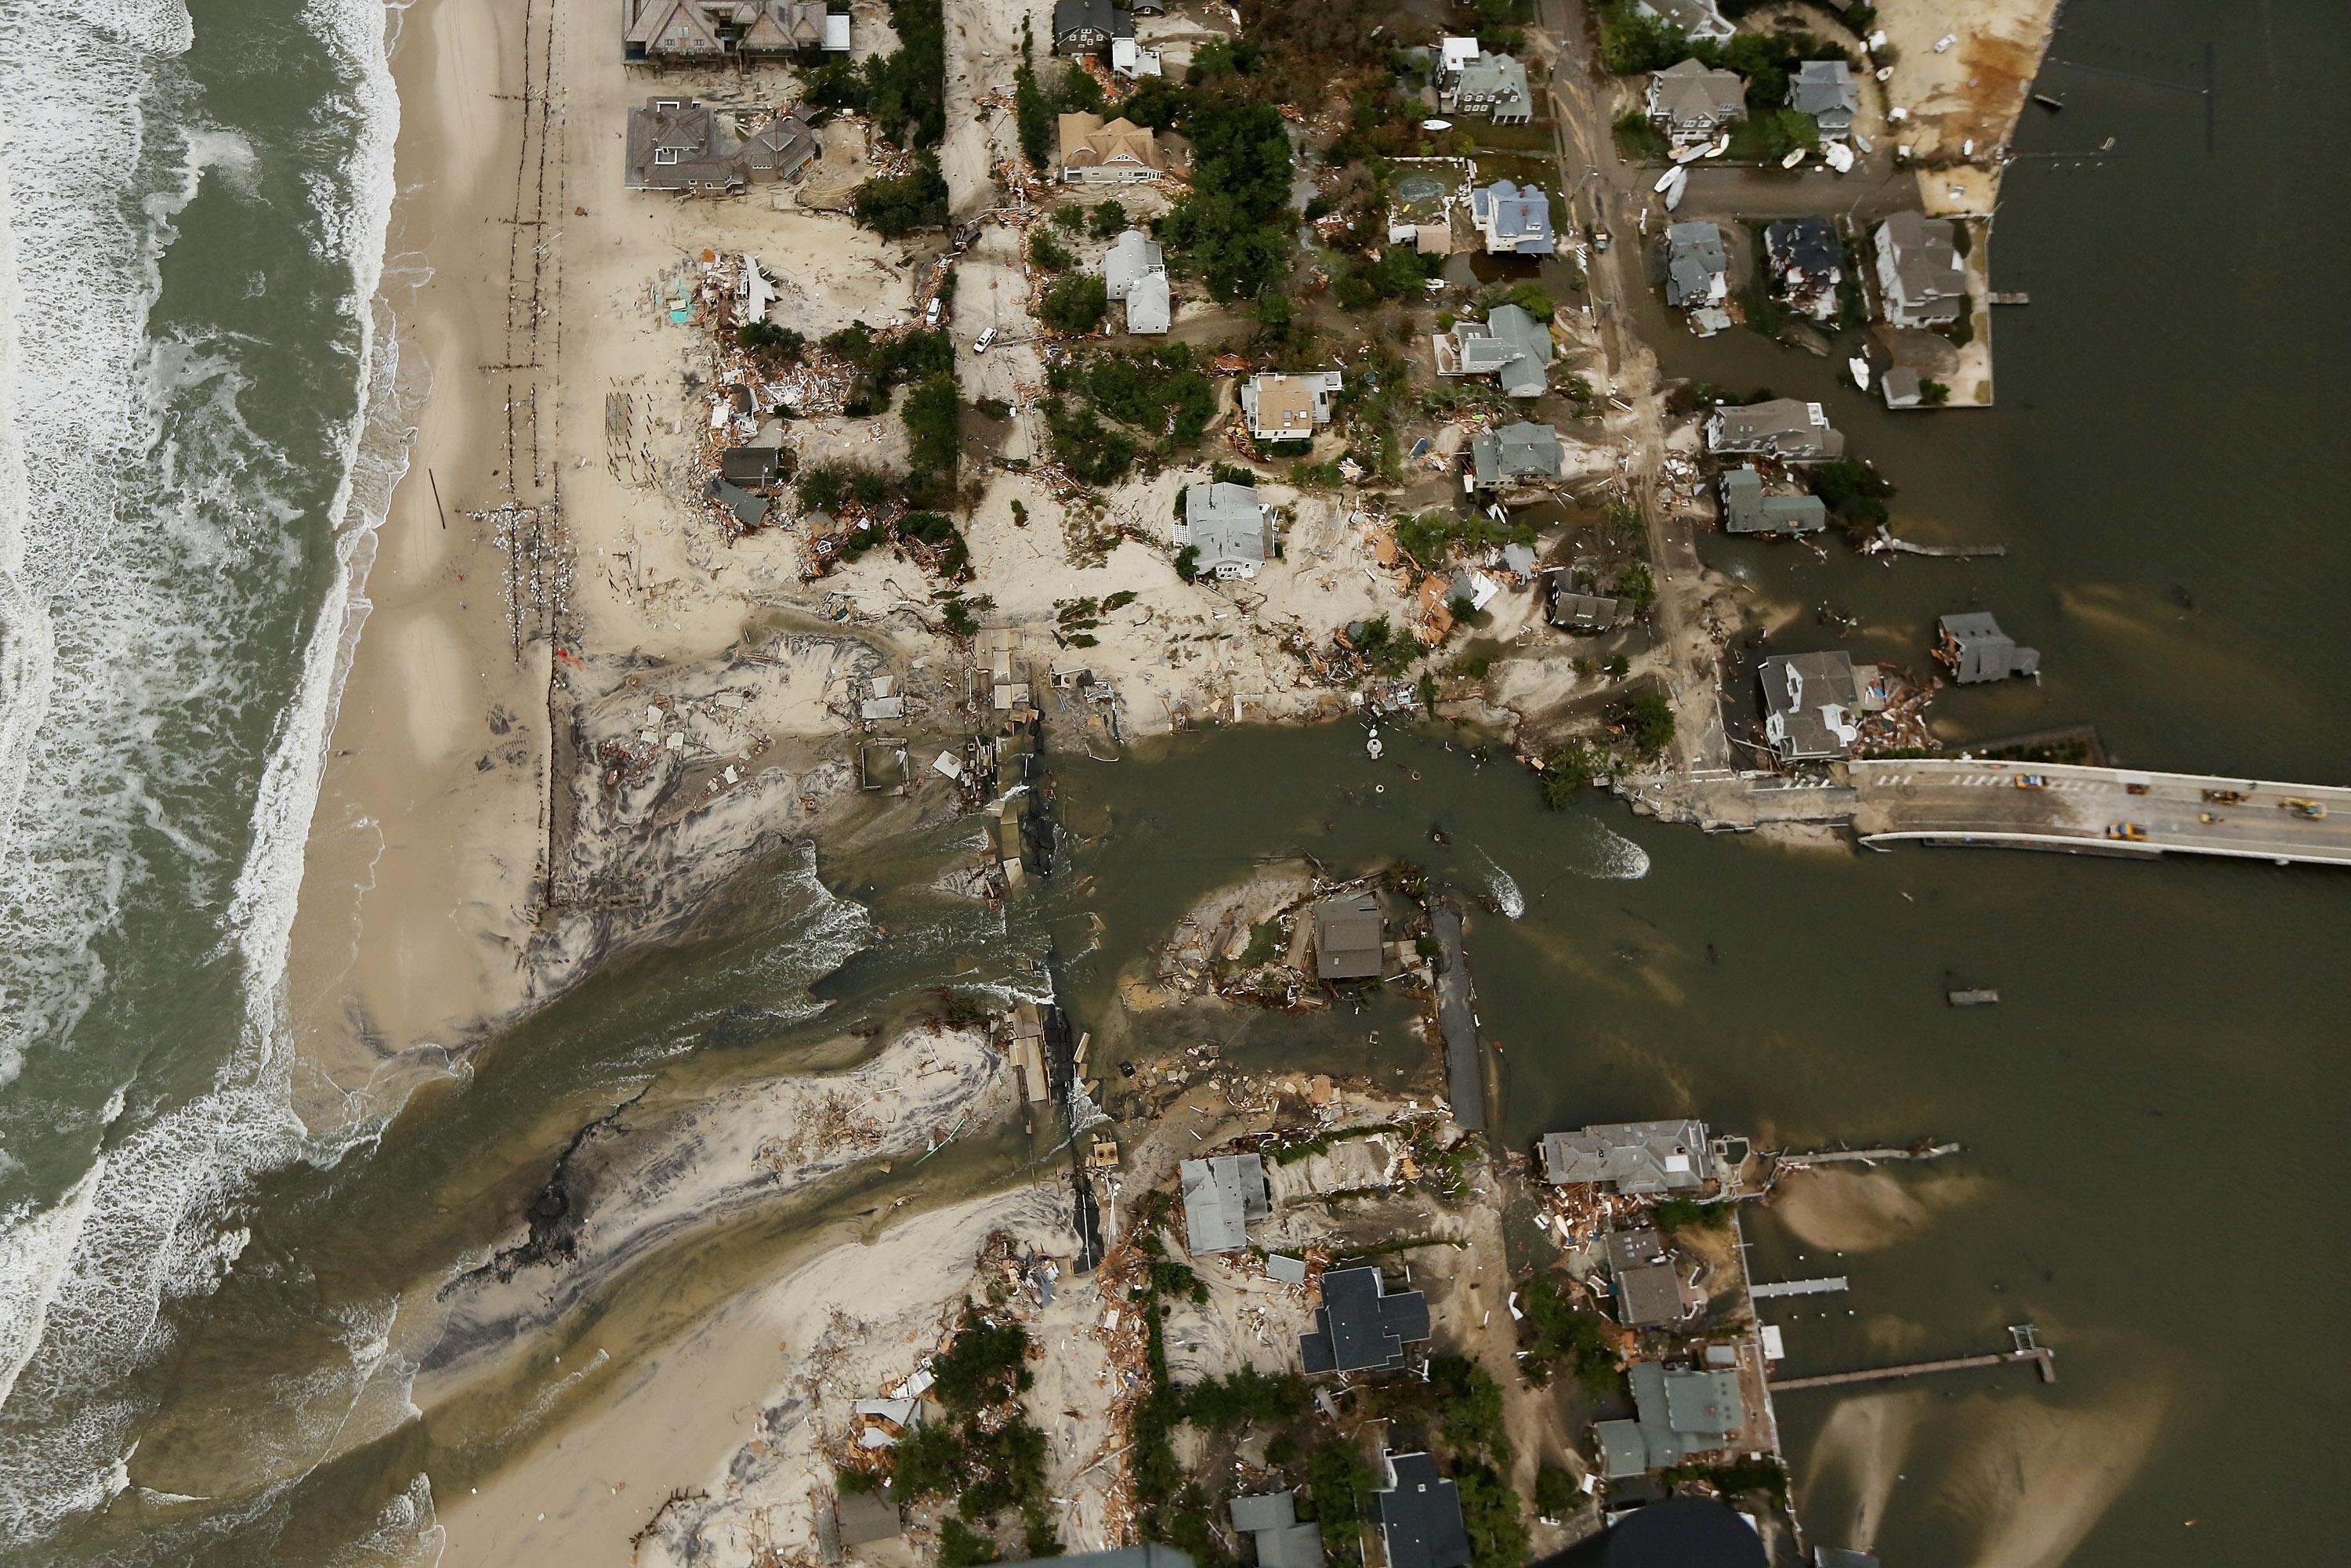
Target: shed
x,y
866,1517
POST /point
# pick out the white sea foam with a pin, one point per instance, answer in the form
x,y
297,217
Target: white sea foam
x,y
1504,888
116,626
1616,858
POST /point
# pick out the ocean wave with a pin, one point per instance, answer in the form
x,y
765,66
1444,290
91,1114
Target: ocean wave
x,y
140,514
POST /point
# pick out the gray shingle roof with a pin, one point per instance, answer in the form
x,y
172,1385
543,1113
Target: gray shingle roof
x,y
1221,1196
1694,260
1635,1158
1825,91
1228,526
1746,509
1420,1516
1347,935
1978,649
1809,702
1515,453
1361,1327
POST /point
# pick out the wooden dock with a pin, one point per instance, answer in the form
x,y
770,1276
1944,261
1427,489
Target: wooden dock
x,y
2010,297
2027,1349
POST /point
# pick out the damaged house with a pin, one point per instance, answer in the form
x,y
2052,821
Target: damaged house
x,y
1805,261
1783,427
1510,345
1639,1159
1813,703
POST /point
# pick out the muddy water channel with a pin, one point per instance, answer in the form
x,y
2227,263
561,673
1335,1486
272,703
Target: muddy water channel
x,y
2157,1025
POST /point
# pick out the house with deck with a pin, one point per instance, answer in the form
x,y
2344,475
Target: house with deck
x,y
1289,407
1494,86
1514,219
1520,453
1095,151
1825,91
1510,345
1782,427
1229,527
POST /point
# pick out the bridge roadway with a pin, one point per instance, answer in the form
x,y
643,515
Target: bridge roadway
x,y
1951,801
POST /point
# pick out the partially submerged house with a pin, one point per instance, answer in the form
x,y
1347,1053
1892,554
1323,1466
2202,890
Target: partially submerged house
x,y
1575,608
1492,85
1813,703
1521,454
1228,525
1510,345
1698,270
1221,1196
1639,1159
1514,219
1921,281
1747,510
1682,1412
1649,1282
1421,1524
1902,387
1095,151
1088,26
1975,650
1806,262
1348,935
1282,1539
1359,1327
1825,91
1289,407
1692,104
750,466
1784,428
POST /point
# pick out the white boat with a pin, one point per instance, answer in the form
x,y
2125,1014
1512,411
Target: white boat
x,y
1669,177
1860,368
1437,125
1837,156
1793,158
1721,146
1373,746
1690,153
1680,183
1861,142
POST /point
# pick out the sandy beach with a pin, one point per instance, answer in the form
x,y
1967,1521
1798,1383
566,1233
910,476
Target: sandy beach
x,y
424,845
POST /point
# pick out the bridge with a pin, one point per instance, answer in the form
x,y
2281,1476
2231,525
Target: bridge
x,y
2075,809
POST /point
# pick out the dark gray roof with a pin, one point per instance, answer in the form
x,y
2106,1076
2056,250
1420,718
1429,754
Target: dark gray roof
x,y
1810,701
749,465
1689,97
1227,525
1577,609
749,511
1221,1196
1347,932
1635,1158
1924,255
1647,1276
1420,1516
1361,1327
1089,21
1805,245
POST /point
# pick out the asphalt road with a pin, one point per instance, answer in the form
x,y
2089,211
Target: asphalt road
x,y
2080,805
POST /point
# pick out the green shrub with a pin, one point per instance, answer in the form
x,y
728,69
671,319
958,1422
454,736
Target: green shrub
x,y
1649,723
893,207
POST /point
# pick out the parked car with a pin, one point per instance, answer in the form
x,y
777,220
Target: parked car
x,y
979,345
2129,832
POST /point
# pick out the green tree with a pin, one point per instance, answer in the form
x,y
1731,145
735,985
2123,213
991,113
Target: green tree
x,y
1108,220
1649,723
1567,772
1033,112
1075,303
933,413
1340,1482
1556,1495
893,207
962,1547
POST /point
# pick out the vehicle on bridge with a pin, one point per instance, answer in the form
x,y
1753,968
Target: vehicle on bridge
x,y
2301,807
2031,781
2225,796
2129,832
2209,817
